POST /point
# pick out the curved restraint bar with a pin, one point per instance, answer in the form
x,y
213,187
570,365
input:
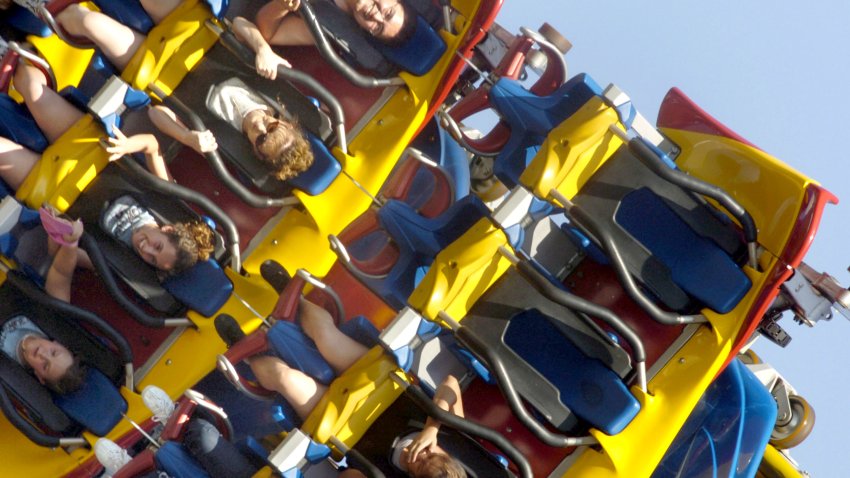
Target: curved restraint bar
x,y
589,223
328,53
467,426
648,157
108,278
572,301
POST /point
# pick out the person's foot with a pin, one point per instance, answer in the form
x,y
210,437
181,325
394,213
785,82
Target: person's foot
x,y
158,402
110,455
228,329
275,275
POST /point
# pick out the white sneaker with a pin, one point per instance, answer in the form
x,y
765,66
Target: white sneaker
x,y
158,402
110,455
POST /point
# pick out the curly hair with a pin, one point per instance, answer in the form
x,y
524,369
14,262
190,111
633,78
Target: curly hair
x,y
286,150
72,380
439,465
193,240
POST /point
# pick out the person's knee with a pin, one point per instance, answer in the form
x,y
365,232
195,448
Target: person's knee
x,y
201,437
75,19
29,81
269,371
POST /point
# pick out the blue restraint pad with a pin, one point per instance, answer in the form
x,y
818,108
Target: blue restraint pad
x,y
419,53
203,287
175,460
587,387
696,264
97,405
321,173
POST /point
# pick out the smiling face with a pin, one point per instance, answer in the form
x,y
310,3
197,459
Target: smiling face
x,y
154,246
257,125
383,19
49,359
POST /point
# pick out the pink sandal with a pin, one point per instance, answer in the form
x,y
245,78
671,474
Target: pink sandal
x,y
59,228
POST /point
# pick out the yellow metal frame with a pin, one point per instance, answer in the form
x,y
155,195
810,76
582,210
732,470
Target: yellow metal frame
x,y
572,152
171,50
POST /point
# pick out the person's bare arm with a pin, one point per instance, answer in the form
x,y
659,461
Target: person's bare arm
x,y
267,61
57,282
167,121
146,144
447,397
278,26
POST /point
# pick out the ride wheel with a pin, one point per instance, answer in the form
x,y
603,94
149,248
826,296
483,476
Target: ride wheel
x,y
750,357
797,428
554,37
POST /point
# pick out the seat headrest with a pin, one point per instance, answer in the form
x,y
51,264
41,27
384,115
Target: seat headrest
x,y
98,405
203,287
419,53
321,173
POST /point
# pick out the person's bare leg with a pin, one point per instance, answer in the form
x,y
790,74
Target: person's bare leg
x,y
16,162
159,9
300,390
115,40
340,350
53,113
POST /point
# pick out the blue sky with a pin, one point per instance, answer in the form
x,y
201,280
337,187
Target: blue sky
x,y
769,71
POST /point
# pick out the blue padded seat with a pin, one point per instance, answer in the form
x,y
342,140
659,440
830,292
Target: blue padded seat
x,y
26,243
175,460
696,264
321,173
23,20
419,239
587,387
728,430
430,190
419,53
98,405
532,335
207,299
18,125
129,13
531,117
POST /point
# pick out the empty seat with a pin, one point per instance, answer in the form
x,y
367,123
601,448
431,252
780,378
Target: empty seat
x,y
560,363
